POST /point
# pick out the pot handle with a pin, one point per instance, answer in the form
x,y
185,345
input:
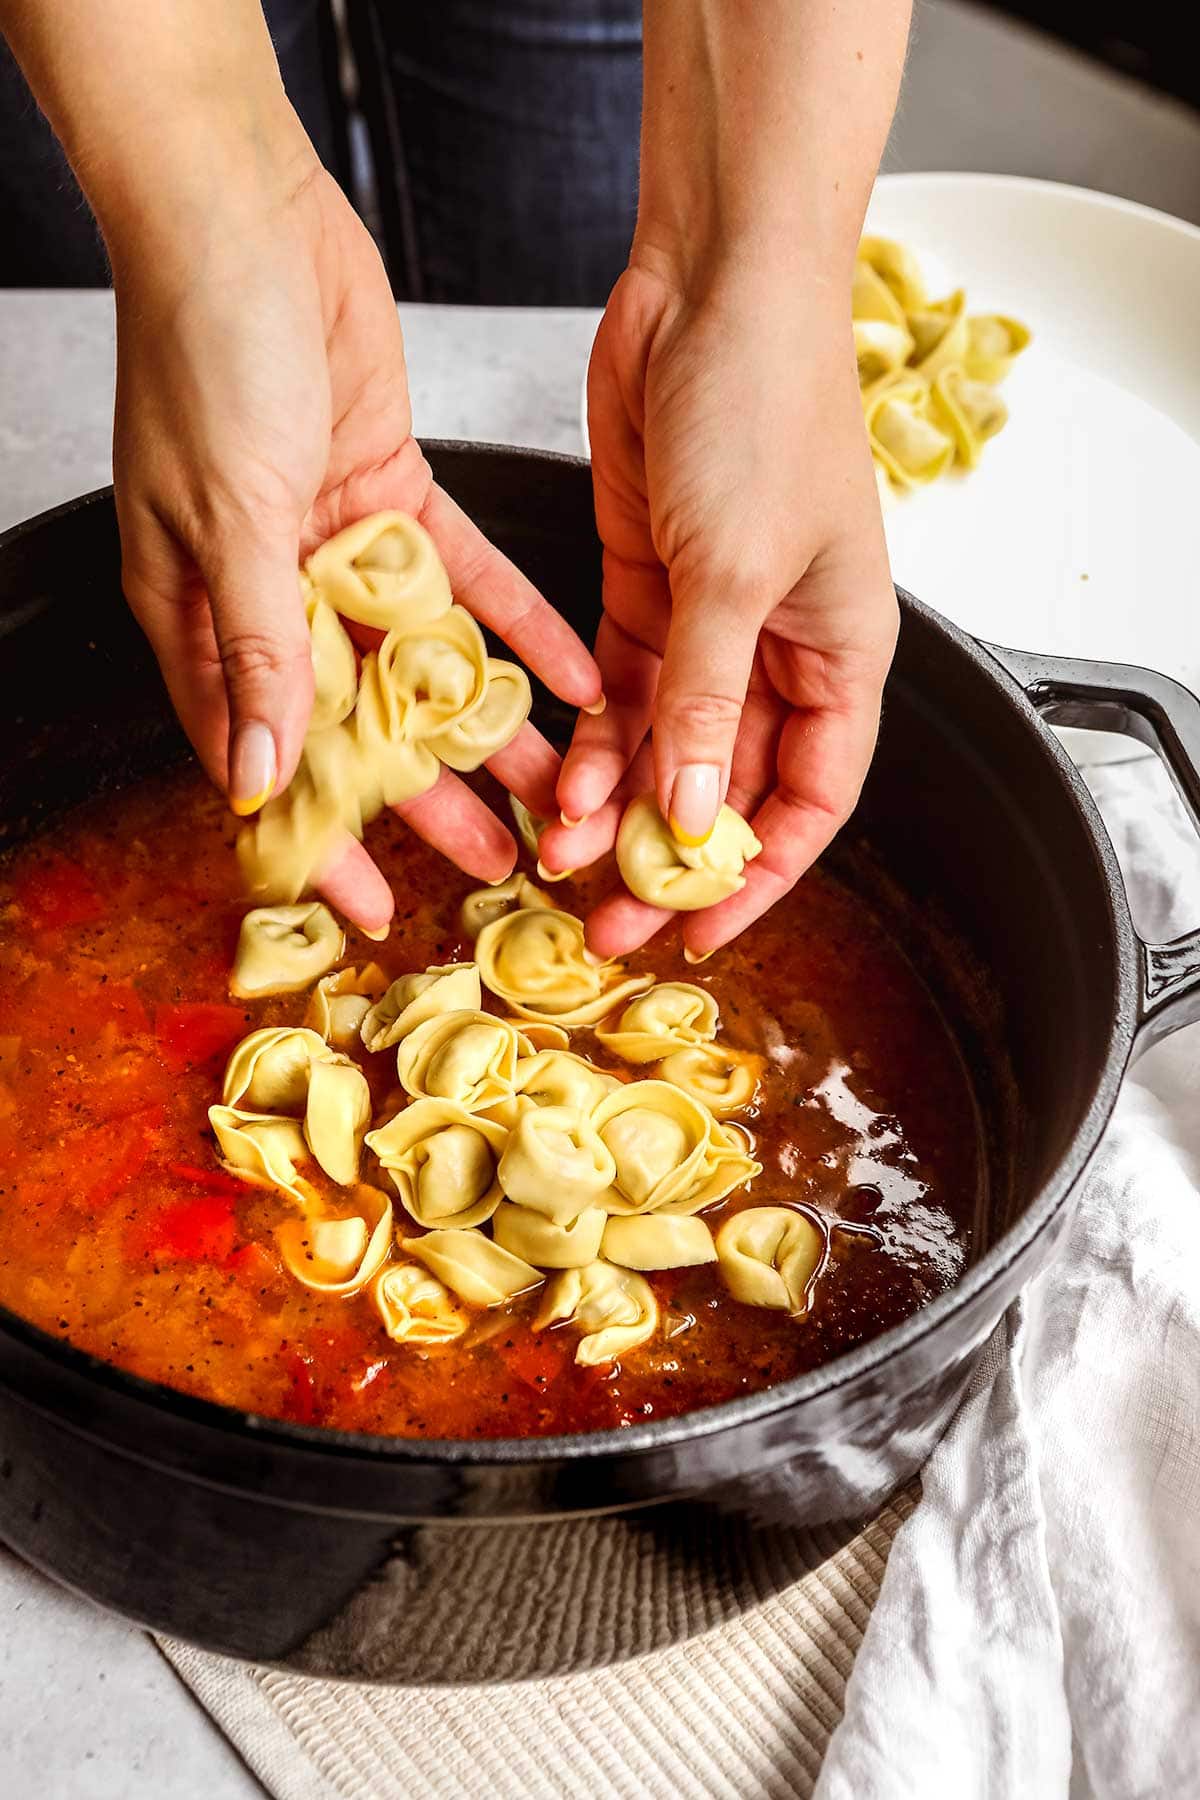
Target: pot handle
x,y
1163,714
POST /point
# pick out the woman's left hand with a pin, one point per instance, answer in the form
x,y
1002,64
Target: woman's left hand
x,y
749,616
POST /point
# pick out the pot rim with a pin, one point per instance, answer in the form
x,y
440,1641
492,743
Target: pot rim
x,y
843,1371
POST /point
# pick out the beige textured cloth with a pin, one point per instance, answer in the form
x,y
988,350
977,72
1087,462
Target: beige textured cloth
x,y
742,1711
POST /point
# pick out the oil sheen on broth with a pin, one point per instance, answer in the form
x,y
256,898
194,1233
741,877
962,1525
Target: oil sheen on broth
x,y
120,1233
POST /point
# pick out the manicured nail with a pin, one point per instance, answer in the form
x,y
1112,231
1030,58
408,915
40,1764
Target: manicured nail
x,y
571,823
550,875
695,803
379,934
590,957
698,956
252,767
596,708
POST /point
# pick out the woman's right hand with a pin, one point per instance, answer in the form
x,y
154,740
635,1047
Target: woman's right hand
x,y
262,404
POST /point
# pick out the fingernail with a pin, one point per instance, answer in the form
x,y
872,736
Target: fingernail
x,y
695,803
378,935
698,956
550,875
571,823
590,957
251,767
596,708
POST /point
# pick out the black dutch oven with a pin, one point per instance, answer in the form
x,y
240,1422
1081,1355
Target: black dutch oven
x,y
443,1561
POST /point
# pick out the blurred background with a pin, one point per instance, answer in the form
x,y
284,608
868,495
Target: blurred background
x,y
491,145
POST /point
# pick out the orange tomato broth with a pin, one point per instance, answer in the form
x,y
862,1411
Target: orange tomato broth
x,y
120,1232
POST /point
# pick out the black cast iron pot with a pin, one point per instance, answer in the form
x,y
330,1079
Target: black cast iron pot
x,y
444,1561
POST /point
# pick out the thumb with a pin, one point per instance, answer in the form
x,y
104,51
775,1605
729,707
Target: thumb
x,y
266,660
698,707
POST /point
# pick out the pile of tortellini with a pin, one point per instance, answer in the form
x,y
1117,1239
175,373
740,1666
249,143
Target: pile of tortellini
x,y
525,1164
928,372
384,723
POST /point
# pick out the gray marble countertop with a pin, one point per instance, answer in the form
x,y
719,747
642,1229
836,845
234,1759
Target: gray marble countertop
x,y
89,1710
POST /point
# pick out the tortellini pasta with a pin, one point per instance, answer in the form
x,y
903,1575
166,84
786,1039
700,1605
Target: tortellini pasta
x,y
529,828
658,1241
545,1242
561,1078
382,571
384,725
769,1256
556,1163
669,1016
415,1307
479,1271
683,878
412,999
341,1002
485,905
724,1080
283,949
262,1148
537,962
614,1308
339,1255
289,1069
657,1138
927,369
442,1161
470,1057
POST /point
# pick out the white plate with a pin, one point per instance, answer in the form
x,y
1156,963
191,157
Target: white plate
x,y
1080,531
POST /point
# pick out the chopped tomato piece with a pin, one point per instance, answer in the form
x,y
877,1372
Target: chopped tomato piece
x,y
114,1153
195,1034
56,894
199,1230
300,1402
214,1179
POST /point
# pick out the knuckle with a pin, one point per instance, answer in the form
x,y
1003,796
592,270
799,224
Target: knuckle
x,y
702,715
252,656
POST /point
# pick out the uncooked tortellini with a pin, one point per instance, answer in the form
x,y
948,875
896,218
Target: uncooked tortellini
x,y
263,1148
658,1241
561,1078
683,878
442,1161
927,369
288,1070
412,999
657,1137
479,1271
769,1256
496,720
614,1308
341,1002
545,1242
470,1057
726,1081
282,949
415,1306
339,1255
485,905
556,1163
536,961
335,664
433,675
382,571
671,1015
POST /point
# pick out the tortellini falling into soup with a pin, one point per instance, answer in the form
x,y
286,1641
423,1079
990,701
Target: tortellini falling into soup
x,y
283,949
536,962
383,725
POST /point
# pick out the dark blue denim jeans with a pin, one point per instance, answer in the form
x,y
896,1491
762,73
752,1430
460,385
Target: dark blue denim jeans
x,y
504,136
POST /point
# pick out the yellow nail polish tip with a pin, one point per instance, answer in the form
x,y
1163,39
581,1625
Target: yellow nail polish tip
x,y
571,823
243,808
699,956
687,838
597,707
377,937
549,874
